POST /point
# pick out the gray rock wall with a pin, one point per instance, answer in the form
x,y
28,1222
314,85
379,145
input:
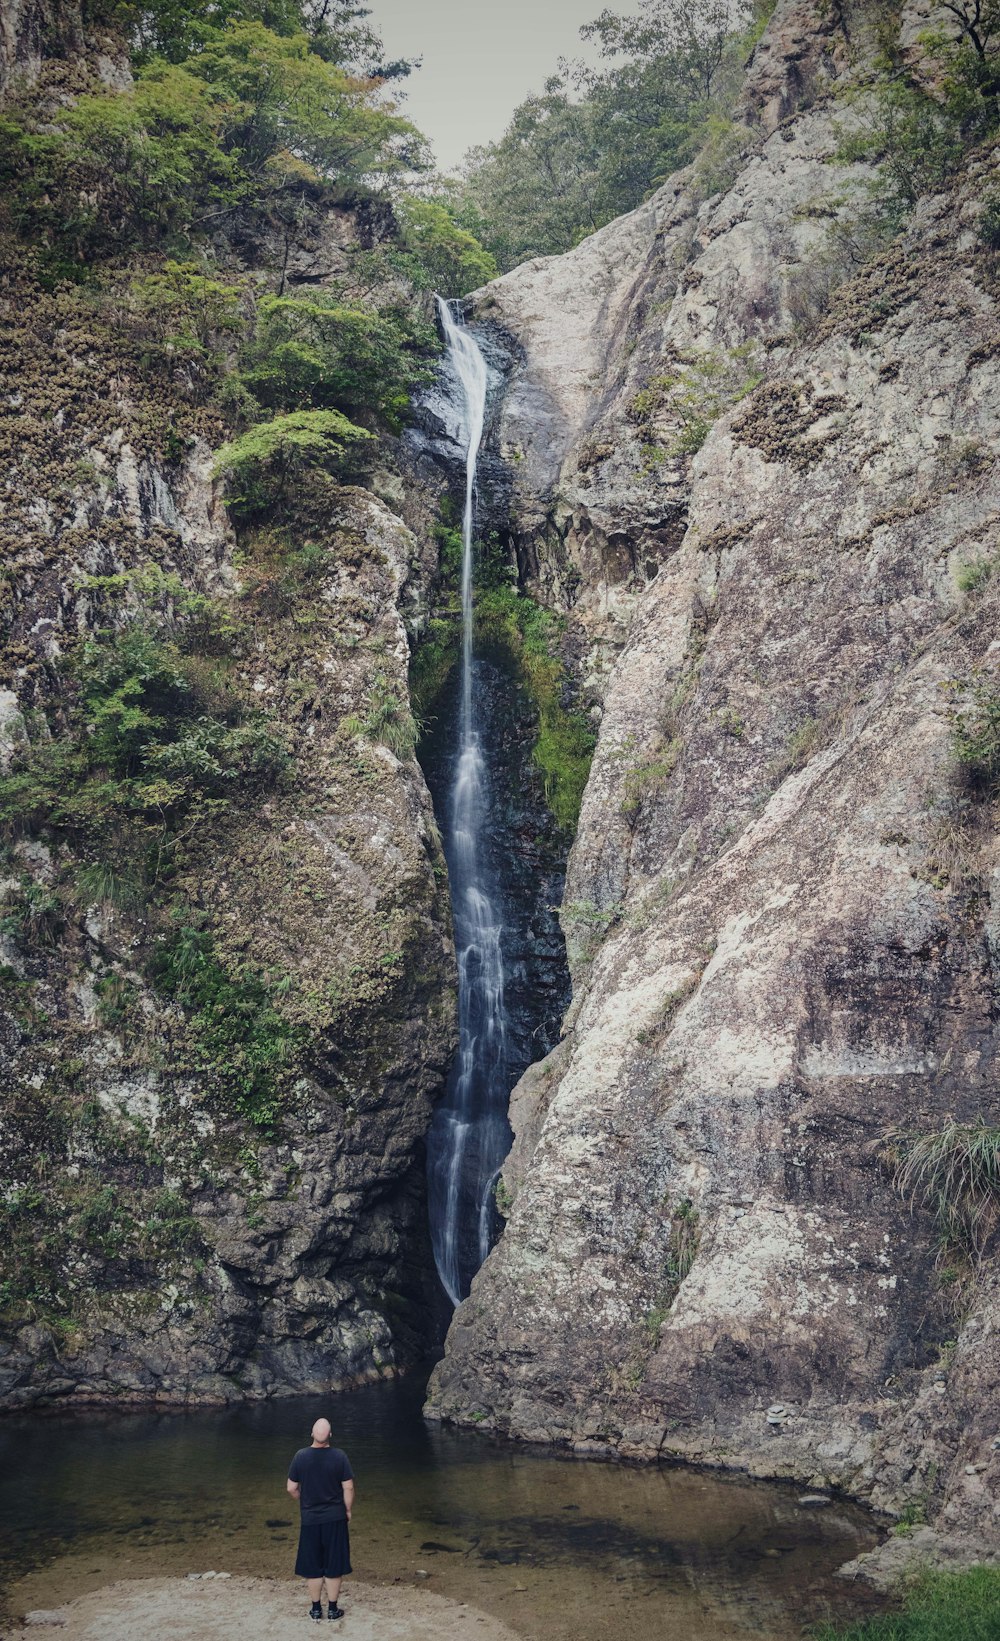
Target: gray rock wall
x,y
779,901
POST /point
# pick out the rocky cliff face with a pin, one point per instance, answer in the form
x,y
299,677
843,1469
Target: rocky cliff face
x,y
782,901
158,1241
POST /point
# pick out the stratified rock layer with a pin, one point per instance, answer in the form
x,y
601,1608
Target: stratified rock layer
x,y
782,901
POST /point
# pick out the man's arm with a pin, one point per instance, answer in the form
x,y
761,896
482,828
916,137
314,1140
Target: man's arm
x,y
293,1487
348,1487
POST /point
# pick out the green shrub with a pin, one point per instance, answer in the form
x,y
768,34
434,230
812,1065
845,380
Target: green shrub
x,y
962,1606
696,395
912,138
152,738
193,309
974,575
316,352
919,140
977,733
245,1048
171,1227
262,462
439,644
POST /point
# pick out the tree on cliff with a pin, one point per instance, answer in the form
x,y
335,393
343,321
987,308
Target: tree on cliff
x,y
596,141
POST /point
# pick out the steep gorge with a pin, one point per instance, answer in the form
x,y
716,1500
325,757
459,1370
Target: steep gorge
x,y
773,577
780,906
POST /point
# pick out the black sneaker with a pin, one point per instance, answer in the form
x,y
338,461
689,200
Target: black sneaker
x,y
316,1611
333,1611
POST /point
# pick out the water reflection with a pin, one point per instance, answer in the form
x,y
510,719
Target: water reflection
x,y
558,1549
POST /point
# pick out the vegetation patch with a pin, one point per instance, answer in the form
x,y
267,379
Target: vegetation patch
x,y
955,1174
585,925
510,622
696,394
961,1606
150,742
976,733
387,719
237,1037
524,638
973,576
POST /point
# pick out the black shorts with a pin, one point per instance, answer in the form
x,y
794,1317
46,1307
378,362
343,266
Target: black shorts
x,y
324,1550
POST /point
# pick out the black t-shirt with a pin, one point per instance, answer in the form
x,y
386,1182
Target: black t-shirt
x,y
320,1473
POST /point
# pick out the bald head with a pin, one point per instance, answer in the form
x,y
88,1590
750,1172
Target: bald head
x,y
322,1430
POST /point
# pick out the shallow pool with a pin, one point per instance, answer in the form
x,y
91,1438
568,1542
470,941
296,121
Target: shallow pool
x,y
559,1549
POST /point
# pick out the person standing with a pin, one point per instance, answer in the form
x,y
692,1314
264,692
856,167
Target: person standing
x,y
322,1480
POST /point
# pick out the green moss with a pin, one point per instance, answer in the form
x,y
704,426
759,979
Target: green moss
x,y
523,638
246,1048
511,623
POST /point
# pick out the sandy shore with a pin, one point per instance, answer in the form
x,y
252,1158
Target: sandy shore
x,y
257,1609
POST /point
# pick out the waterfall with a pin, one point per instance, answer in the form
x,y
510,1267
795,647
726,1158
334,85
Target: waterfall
x,y
469,1135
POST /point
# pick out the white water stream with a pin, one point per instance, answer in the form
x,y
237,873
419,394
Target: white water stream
x,y
469,1135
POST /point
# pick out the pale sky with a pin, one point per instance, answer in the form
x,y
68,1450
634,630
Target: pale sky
x,y
480,59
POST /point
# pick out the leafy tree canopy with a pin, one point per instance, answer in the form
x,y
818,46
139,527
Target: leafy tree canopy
x,y
262,461
337,30
444,256
595,142
321,351
234,102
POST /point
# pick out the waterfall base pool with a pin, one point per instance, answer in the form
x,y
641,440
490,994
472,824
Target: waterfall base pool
x,y
560,1549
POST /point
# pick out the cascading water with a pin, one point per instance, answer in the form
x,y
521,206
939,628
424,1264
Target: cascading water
x,y
470,1135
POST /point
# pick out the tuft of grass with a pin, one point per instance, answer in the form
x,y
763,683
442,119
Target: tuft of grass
x,y
801,745
974,575
962,1606
585,925
685,1238
388,719
646,780
955,1173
